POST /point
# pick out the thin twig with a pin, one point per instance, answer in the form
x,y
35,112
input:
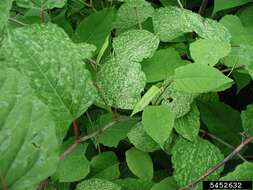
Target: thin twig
x,y
43,184
69,150
138,18
217,166
229,69
17,21
76,131
180,4
202,7
222,142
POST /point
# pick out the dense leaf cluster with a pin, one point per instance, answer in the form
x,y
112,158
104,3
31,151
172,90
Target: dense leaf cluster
x,y
124,94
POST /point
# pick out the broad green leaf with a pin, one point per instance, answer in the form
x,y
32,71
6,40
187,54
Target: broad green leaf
x,y
96,27
41,4
146,99
134,184
5,6
133,12
188,125
173,22
166,184
121,83
105,166
113,135
245,57
179,102
75,166
190,160
54,65
200,78
243,172
140,164
28,144
158,122
141,140
224,4
247,120
242,79
246,15
135,45
97,184
209,51
162,65
214,115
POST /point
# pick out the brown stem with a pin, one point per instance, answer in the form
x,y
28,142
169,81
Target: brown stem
x,y
202,7
217,166
3,183
43,184
222,142
76,131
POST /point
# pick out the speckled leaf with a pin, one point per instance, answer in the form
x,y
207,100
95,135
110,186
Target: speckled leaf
x,y
179,102
45,4
121,83
105,166
209,51
134,184
247,119
97,184
5,6
28,144
190,160
132,12
243,172
141,140
173,22
135,45
75,166
140,163
162,65
55,68
200,78
158,122
188,125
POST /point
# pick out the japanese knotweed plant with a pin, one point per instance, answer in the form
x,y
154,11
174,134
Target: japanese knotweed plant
x,y
124,94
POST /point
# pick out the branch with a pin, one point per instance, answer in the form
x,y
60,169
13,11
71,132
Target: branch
x,y
202,7
222,142
221,163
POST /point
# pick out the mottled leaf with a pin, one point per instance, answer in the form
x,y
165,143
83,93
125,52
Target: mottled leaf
x,y
28,144
200,78
190,160
158,122
55,68
97,184
134,184
140,164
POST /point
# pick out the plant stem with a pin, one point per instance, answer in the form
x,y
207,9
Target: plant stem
x,y
222,142
76,131
17,21
202,7
180,4
138,18
217,166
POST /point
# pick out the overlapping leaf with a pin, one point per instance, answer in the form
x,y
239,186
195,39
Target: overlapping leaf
x,y
28,144
41,4
97,184
54,65
5,6
247,121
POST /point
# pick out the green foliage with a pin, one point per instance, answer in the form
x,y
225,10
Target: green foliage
x,y
124,94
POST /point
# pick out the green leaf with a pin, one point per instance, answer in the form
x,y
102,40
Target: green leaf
x,y
242,79
246,15
162,65
146,99
112,136
188,125
133,12
173,22
158,122
54,65
96,27
97,184
140,164
190,160
5,6
28,144
200,78
135,45
224,4
134,184
75,166
209,51
45,4
247,120
243,172
179,102
166,184
214,115
105,166
141,140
